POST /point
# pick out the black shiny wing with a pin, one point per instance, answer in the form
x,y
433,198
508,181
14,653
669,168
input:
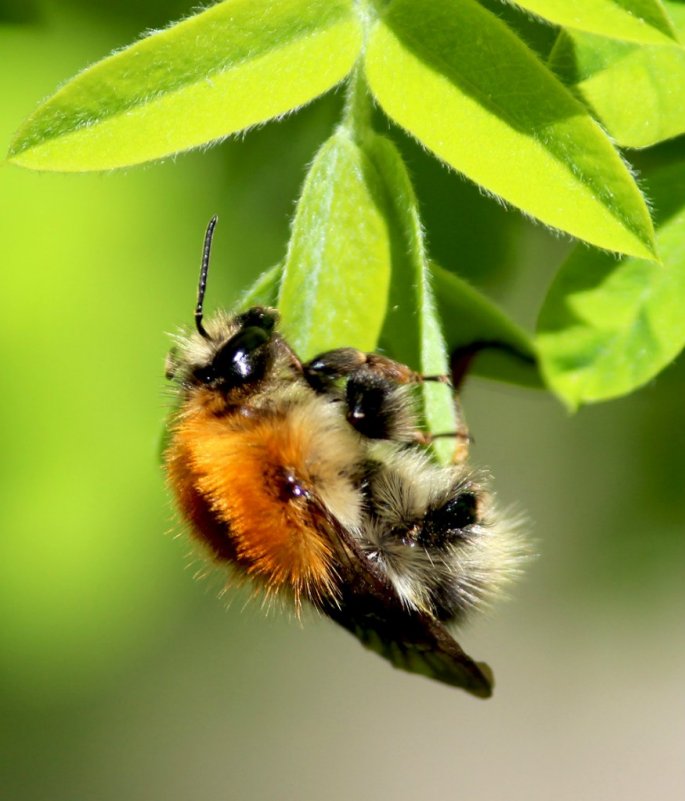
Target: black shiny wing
x,y
368,607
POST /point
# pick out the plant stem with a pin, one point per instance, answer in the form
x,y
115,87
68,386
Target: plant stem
x,y
358,105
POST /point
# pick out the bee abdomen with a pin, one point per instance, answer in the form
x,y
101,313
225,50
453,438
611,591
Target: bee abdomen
x,y
447,524
436,535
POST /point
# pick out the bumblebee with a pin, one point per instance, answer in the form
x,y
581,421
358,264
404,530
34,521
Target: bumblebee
x,y
313,479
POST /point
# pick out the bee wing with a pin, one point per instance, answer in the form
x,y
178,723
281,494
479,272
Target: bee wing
x,y
368,607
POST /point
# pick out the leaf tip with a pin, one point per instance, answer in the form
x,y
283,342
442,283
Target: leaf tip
x,y
572,405
19,149
643,248
13,150
569,399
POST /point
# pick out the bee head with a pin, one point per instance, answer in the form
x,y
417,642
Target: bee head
x,y
229,353
239,351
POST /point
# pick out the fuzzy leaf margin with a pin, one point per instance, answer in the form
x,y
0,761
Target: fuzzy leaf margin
x,y
436,67
642,21
334,290
503,351
637,92
225,69
608,327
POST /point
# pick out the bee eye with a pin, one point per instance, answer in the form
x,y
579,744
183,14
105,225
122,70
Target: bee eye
x,y
244,358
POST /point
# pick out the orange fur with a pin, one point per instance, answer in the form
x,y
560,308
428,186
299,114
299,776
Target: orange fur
x,y
204,524
249,471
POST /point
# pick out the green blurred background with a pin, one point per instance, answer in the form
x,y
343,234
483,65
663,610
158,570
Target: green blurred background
x,y
123,678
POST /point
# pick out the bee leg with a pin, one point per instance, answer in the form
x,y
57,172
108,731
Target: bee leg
x,y
405,425
292,359
461,448
376,394
323,371
424,438
439,379
373,388
379,408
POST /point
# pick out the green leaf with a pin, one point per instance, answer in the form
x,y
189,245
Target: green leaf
x,y
412,332
638,93
469,318
607,326
357,224
453,75
642,21
334,291
19,12
234,65
676,12
264,291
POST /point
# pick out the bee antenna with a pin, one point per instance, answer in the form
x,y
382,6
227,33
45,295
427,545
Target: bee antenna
x,y
209,234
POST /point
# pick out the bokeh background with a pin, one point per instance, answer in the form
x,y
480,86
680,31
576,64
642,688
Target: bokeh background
x,y
122,677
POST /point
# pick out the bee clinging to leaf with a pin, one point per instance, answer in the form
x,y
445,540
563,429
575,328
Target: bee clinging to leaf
x,y
313,479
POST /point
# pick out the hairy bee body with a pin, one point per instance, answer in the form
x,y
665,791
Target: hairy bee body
x,y
312,480
272,475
